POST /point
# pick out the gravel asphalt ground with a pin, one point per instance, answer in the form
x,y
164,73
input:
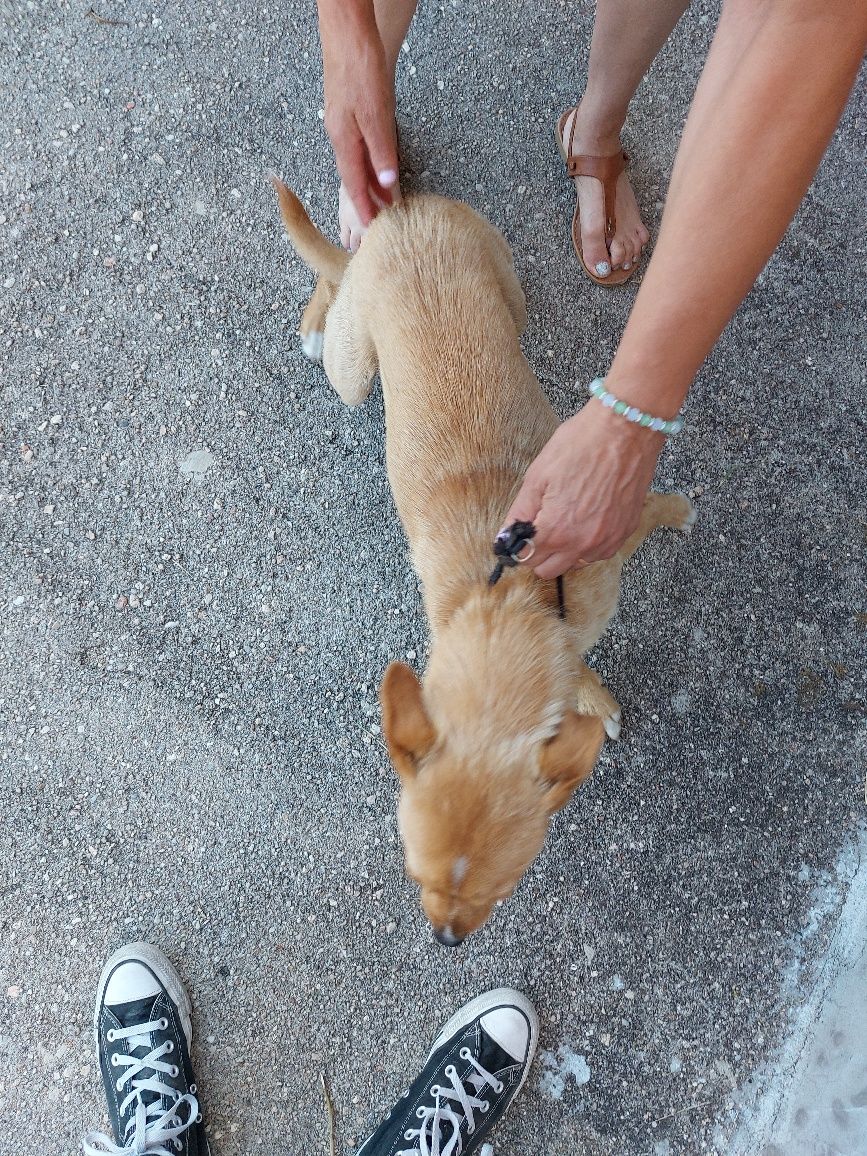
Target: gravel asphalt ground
x,y
203,578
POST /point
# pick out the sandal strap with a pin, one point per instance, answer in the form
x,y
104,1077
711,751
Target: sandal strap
x,y
606,170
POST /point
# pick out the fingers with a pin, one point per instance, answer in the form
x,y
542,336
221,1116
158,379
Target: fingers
x,y
381,144
547,558
528,503
352,165
555,565
562,540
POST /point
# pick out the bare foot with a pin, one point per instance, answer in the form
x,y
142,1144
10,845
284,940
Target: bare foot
x,y
630,235
351,228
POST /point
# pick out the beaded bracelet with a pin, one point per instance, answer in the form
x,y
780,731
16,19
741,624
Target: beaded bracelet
x,y
598,390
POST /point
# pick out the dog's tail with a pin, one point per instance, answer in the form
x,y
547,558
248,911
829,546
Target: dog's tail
x,y
326,259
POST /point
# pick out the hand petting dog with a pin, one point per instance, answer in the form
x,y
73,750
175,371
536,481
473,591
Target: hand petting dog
x,y
585,491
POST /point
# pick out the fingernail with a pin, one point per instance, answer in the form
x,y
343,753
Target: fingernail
x,y
387,178
602,269
627,264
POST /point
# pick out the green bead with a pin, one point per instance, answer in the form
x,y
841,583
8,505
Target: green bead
x,y
620,407
645,419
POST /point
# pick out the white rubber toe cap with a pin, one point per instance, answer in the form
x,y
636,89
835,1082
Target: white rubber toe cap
x,y
509,1028
131,980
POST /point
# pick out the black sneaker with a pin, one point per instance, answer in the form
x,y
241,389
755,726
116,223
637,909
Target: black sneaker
x,y
143,1033
476,1067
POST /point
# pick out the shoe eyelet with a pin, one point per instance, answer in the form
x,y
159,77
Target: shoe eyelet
x,y
170,1047
178,1146
465,1053
407,1135
435,1089
193,1089
119,1085
498,1088
451,1071
419,1113
109,1035
199,1118
484,1105
163,1024
113,1060
173,1071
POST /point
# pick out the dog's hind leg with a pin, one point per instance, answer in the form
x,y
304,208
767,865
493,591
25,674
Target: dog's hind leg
x,y
311,329
348,353
674,510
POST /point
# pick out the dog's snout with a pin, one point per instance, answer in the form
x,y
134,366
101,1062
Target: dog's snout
x,y
447,937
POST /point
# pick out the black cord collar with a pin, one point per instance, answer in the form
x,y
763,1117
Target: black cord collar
x,y
508,545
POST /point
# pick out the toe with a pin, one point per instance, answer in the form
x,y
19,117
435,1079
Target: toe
x,y
351,228
593,247
596,256
621,252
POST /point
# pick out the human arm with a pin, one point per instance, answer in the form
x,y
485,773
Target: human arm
x,y
771,92
360,43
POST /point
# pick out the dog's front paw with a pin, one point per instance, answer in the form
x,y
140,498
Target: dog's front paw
x,y
611,723
690,519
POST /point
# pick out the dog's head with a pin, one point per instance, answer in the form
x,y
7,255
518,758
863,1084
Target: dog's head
x,y
474,816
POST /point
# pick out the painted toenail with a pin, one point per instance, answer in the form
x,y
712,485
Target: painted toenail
x,y
627,264
387,178
602,269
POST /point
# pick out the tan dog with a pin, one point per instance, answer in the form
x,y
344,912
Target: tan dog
x,y
509,720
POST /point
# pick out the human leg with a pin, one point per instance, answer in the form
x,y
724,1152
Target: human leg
x,y
143,1038
393,18
627,34
476,1066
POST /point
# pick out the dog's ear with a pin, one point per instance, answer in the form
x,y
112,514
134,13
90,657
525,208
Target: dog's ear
x,y
568,758
408,731
348,354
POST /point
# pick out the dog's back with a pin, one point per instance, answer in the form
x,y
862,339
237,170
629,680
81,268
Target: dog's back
x,y
431,299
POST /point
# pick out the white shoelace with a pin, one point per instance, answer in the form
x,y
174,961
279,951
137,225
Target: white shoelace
x,y
429,1140
153,1127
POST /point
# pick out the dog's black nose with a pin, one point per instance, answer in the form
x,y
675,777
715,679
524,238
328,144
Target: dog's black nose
x,y
447,938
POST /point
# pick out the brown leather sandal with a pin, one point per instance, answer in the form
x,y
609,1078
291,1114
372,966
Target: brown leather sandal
x,y
604,169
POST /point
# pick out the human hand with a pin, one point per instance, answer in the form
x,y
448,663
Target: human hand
x,y
359,110
585,491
